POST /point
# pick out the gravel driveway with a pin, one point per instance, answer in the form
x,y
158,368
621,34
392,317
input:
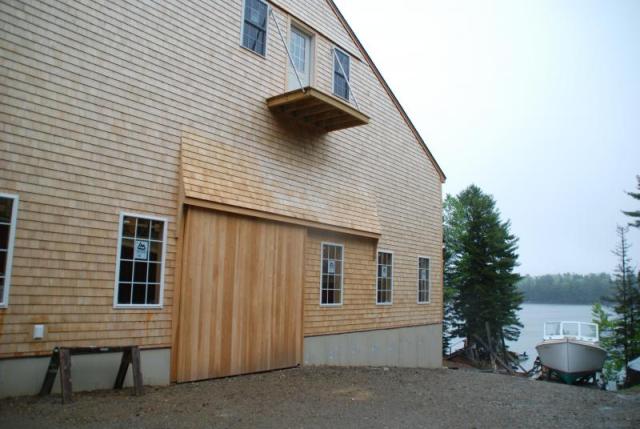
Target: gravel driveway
x,y
337,397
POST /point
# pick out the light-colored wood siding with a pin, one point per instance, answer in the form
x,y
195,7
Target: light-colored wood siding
x,y
241,296
359,311
223,173
95,99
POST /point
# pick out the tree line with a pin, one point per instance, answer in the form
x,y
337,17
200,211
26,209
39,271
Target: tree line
x,y
566,288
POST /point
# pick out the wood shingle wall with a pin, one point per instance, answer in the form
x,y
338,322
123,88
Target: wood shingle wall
x,y
95,100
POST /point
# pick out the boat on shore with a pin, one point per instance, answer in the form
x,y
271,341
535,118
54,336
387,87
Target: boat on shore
x,y
571,350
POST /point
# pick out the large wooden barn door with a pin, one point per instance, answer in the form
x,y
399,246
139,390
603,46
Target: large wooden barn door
x,y
241,296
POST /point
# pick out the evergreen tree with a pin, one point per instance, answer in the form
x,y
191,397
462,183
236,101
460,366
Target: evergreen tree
x,y
606,329
634,214
480,268
626,303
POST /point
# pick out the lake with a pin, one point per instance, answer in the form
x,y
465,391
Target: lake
x,y
533,316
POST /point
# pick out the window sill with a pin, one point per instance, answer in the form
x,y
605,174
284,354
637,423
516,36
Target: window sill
x,y
331,305
384,304
424,302
264,57
137,307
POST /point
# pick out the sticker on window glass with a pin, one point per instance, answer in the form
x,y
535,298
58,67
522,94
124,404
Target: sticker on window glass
x,y
331,267
423,275
383,271
142,249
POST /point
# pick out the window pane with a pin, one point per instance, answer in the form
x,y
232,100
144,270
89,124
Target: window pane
x,y
153,294
126,271
143,228
331,296
141,250
337,296
124,293
324,297
129,227
139,293
256,12
325,251
154,273
298,50
140,274
4,237
3,263
6,206
126,251
338,252
156,251
157,230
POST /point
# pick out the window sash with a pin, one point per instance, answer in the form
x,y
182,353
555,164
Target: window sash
x,y
384,278
341,80
424,280
139,281
8,223
254,28
331,274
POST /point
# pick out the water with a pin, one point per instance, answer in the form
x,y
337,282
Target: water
x,y
533,316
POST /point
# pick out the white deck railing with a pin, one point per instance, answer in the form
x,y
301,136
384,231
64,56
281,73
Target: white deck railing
x,y
578,330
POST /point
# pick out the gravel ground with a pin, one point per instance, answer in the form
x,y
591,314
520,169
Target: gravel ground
x,y
337,397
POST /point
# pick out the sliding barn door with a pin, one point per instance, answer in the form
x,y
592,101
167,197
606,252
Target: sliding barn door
x,y
241,296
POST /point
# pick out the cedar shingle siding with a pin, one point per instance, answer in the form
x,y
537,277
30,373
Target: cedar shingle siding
x,y
97,100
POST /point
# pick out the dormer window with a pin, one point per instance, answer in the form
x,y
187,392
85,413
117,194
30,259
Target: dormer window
x,y
254,26
341,70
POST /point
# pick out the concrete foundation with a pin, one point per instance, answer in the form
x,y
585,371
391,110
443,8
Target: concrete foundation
x,y
24,376
413,347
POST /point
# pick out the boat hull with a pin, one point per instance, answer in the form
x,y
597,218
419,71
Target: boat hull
x,y
571,359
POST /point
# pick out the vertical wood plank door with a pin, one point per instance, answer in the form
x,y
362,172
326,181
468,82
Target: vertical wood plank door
x,y
241,296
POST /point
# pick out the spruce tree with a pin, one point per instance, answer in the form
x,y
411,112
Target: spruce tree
x,y
480,268
626,302
634,214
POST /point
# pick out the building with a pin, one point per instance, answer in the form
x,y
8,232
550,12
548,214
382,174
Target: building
x,y
170,180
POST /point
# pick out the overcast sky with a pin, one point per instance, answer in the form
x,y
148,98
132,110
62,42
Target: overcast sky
x,y
535,101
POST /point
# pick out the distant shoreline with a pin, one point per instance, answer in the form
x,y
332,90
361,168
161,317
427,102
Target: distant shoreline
x,y
556,303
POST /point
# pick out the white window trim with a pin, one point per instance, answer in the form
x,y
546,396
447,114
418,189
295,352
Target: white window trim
x,y
333,74
428,282
266,30
118,251
10,245
327,243
393,274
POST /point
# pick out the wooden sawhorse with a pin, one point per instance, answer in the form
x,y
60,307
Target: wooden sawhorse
x,y
61,359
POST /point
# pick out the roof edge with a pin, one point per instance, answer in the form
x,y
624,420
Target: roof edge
x,y
384,83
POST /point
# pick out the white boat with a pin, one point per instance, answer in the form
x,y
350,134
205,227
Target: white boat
x,y
571,350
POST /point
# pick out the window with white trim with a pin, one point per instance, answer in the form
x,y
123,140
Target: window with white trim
x,y
341,72
331,274
8,215
384,288
424,283
141,255
254,26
